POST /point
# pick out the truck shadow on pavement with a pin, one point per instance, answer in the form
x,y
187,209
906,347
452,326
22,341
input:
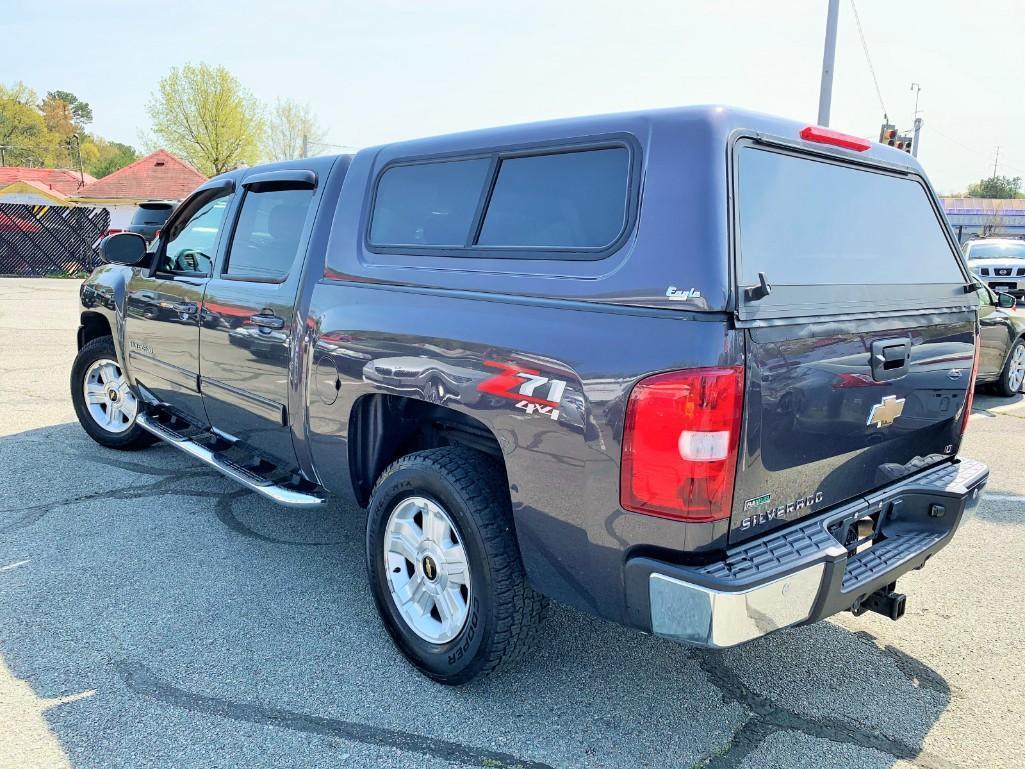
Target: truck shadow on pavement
x,y
161,616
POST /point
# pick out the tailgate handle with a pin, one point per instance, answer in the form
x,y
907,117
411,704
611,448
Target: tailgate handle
x,y
890,358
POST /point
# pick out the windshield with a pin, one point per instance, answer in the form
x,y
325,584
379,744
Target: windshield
x,y
997,251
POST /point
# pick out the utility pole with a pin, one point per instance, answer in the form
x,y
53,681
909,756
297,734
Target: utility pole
x,y
995,159
828,58
918,120
306,145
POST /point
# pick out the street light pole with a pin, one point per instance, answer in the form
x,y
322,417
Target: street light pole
x,y
78,151
828,58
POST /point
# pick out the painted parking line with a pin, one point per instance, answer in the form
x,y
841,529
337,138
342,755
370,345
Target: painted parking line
x,y
1003,497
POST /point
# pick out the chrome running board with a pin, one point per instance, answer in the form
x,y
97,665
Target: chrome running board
x,y
282,495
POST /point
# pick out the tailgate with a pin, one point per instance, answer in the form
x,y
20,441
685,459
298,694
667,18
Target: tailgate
x,y
825,421
860,360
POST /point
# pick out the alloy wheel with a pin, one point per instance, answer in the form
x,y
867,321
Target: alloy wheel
x,y
109,399
1016,371
428,571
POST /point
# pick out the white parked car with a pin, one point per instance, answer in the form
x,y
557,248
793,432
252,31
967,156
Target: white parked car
x,y
999,263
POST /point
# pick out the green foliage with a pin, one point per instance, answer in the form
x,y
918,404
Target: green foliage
x,y
24,135
996,187
203,114
43,133
101,157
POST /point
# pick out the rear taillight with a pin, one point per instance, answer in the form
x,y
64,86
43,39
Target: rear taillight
x,y
112,232
680,444
970,397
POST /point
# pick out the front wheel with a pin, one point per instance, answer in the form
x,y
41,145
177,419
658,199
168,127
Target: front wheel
x,y
444,566
105,404
1013,375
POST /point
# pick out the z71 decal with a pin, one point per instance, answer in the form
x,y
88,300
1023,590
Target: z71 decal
x,y
525,386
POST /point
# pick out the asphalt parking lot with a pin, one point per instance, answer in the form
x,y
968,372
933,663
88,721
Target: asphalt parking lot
x,y
152,614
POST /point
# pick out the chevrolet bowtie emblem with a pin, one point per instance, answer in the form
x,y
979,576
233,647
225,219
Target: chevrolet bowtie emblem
x,y
886,411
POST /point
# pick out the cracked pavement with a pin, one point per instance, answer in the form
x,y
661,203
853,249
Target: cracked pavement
x,y
152,614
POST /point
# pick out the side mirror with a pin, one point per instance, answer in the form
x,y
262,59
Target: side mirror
x,y
1006,301
127,248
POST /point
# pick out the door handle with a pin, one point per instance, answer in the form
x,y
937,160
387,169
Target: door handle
x,y
268,321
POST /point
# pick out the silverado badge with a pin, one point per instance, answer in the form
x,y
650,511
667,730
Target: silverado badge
x,y
886,411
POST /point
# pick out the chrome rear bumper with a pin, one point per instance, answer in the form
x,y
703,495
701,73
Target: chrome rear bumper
x,y
714,618
802,573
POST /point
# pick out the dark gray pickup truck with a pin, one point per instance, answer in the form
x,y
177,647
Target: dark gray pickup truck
x,y
698,371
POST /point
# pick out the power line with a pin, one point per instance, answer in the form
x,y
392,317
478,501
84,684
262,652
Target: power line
x,y
335,146
977,151
868,58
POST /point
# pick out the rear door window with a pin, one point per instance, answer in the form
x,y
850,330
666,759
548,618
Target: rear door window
x,y
807,222
268,232
565,200
428,204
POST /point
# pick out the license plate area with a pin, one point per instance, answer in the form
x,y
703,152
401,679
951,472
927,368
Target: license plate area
x,y
996,286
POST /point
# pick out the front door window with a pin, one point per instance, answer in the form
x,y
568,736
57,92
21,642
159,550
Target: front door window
x,y
192,242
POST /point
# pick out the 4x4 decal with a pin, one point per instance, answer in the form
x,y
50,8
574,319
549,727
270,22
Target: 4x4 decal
x,y
524,386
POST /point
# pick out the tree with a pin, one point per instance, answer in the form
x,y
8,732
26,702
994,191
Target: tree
x,y
78,112
24,135
101,157
996,187
42,133
65,116
205,115
289,124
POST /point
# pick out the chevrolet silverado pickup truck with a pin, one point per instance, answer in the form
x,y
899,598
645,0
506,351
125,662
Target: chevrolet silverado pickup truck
x,y
699,371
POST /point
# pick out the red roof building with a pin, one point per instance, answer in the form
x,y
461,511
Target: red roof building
x,y
159,176
61,181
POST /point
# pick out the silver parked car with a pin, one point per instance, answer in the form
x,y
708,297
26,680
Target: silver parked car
x,y
999,263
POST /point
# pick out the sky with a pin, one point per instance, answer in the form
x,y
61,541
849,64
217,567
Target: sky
x,y
380,71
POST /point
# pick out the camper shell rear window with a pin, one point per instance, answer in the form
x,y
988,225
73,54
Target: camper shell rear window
x,y
806,222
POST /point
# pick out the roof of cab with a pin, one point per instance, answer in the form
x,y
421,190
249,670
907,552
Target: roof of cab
x,y
321,164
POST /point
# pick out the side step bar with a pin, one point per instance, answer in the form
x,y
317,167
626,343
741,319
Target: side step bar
x,y
282,495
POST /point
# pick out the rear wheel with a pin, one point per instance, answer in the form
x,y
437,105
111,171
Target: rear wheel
x,y
1013,376
104,402
444,566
